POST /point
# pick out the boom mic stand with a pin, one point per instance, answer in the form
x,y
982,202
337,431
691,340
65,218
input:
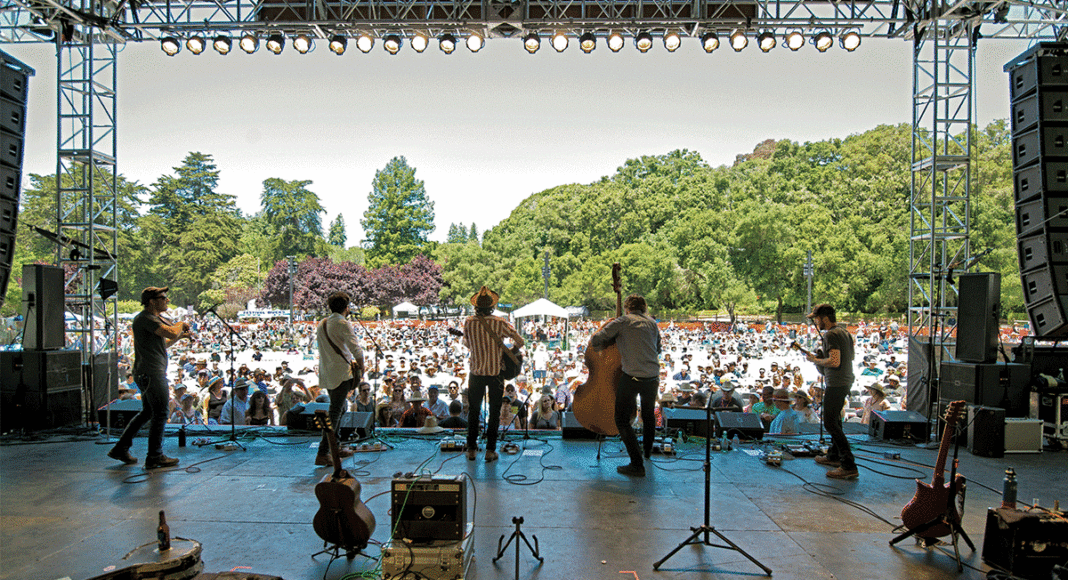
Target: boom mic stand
x,y
707,528
378,375
233,408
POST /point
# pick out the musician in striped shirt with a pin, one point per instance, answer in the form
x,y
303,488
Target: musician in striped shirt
x,y
481,333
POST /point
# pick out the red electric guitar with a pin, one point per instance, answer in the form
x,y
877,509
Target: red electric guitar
x,y
933,501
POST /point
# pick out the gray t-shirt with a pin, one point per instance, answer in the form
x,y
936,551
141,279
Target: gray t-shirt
x,y
838,338
150,350
638,340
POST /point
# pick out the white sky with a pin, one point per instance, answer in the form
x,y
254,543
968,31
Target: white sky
x,y
485,130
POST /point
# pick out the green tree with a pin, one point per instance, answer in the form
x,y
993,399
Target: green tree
x,y
178,199
399,215
473,235
291,213
457,234
337,236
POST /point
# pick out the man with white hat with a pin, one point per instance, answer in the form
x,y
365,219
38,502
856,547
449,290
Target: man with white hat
x,y
726,398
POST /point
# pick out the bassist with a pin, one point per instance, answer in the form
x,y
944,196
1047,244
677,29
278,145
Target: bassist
x,y
638,339
837,370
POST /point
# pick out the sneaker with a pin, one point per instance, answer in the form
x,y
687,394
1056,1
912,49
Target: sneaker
x,y
843,473
471,454
632,469
160,461
323,460
491,456
123,456
824,460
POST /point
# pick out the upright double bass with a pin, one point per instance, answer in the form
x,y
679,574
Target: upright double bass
x,y
594,405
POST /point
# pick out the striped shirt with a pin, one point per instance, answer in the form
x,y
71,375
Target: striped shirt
x,y
485,350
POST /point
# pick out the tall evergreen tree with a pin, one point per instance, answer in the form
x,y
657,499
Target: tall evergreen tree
x,y
457,234
473,236
399,215
337,236
292,215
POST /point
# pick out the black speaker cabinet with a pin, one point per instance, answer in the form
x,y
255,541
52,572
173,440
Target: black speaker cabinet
x,y
299,417
40,389
978,313
986,431
1032,181
121,412
692,422
428,508
898,425
1002,385
42,307
572,429
745,425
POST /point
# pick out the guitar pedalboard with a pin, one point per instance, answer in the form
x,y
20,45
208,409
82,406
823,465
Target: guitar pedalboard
x,y
453,444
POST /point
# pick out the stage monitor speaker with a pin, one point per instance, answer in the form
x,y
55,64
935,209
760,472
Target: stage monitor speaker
x,y
122,412
356,422
572,429
1002,385
42,307
692,422
105,377
745,425
429,508
299,417
986,431
886,425
978,314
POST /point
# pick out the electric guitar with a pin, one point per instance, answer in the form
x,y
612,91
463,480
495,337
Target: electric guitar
x,y
933,501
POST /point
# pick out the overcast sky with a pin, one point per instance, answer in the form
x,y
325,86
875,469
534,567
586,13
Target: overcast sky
x,y
485,130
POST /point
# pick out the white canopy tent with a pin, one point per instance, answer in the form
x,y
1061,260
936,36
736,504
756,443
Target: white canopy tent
x,y
540,307
407,308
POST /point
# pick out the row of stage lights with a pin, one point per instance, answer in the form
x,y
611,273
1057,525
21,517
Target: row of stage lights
x,y
303,43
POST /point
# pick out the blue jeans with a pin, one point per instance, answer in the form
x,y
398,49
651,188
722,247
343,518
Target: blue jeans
x,y
833,402
155,399
478,386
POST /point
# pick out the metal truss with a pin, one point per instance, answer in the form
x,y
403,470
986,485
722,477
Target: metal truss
x,y
943,71
86,191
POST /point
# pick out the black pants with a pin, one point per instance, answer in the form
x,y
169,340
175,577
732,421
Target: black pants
x,y
477,388
338,402
833,401
155,406
630,387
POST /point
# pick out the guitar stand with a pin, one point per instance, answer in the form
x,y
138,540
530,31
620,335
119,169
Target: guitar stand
x,y
518,535
335,551
707,528
956,530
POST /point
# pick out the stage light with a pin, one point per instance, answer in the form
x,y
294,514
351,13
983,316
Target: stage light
x,y
823,41
447,43
672,41
643,42
392,43
419,42
196,44
303,43
170,45
738,40
615,42
710,41
559,41
532,42
587,42
249,43
338,44
221,44
365,42
795,40
850,40
474,42
275,43
766,41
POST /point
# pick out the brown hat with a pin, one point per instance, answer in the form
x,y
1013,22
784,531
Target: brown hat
x,y
485,298
152,292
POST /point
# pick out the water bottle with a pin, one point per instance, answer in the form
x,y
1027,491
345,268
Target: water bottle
x,y
1008,493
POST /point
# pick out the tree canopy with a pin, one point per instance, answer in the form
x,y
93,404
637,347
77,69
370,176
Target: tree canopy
x,y
399,215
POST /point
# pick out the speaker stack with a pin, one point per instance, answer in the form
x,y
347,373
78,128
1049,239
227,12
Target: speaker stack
x,y
1039,93
14,81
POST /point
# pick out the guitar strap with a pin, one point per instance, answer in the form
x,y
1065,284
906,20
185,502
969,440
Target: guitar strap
x,y
497,337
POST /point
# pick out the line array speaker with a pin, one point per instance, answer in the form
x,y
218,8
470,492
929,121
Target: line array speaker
x,y
14,81
1038,89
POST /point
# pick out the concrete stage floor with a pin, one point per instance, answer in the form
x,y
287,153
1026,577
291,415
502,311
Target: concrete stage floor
x,y
68,511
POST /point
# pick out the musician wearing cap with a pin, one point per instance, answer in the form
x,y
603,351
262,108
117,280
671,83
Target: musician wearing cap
x,y
338,350
838,378
152,335
483,334
638,339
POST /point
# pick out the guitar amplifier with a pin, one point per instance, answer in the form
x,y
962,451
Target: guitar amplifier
x,y
1027,544
897,425
429,508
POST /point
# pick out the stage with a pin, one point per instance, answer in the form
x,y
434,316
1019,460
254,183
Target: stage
x,y
68,511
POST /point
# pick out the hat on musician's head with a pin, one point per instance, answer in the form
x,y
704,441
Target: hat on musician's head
x,y
152,292
485,298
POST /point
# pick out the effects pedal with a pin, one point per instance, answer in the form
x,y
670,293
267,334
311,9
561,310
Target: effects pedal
x,y
510,448
368,447
664,446
773,457
453,444
798,450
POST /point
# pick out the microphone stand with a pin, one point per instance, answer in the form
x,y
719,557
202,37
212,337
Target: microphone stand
x,y
233,407
378,376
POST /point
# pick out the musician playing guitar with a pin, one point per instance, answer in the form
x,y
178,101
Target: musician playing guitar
x,y
638,339
837,369
340,366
